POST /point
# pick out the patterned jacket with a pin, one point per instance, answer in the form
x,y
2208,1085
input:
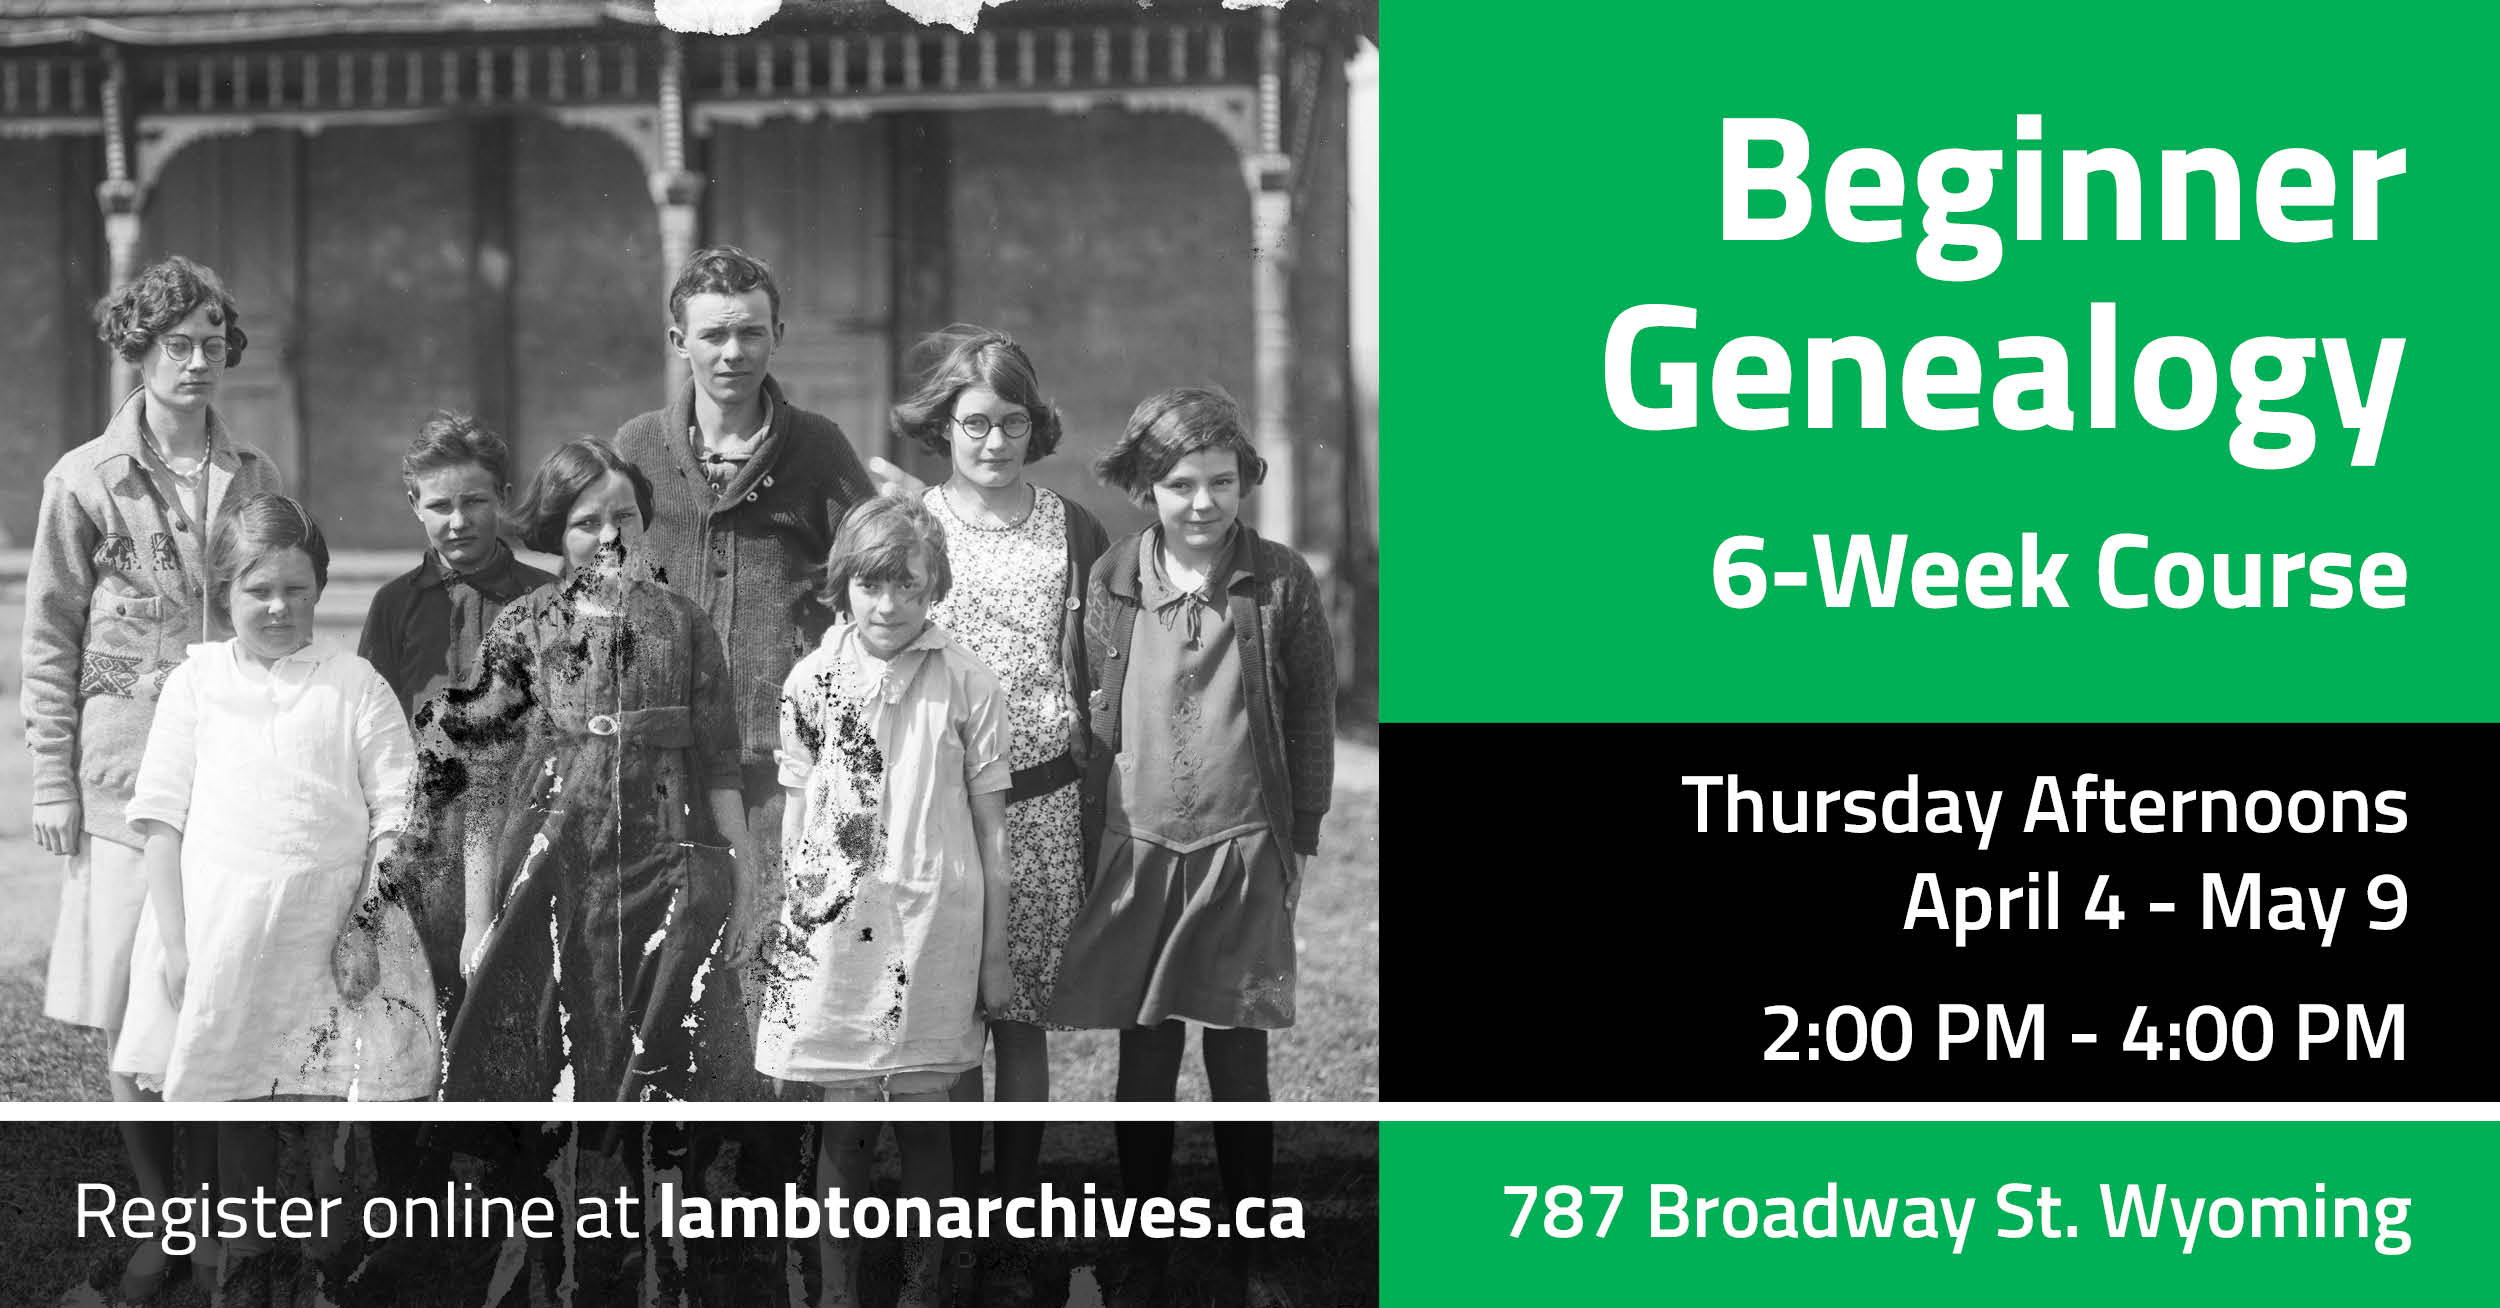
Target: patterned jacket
x,y
1290,676
115,592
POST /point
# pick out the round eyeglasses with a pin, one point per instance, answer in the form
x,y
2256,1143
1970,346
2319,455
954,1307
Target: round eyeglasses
x,y
178,348
978,425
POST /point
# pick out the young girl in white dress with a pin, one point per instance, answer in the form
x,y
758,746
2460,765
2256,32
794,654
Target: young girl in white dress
x,y
892,942
274,962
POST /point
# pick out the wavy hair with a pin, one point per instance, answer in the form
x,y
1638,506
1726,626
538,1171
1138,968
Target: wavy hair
x,y
1168,427
576,466
136,313
722,270
454,440
965,356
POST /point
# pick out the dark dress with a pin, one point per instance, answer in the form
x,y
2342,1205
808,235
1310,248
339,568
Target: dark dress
x,y
1189,913
597,737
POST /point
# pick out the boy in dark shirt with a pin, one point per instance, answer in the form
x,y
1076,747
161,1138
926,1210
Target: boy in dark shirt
x,y
426,624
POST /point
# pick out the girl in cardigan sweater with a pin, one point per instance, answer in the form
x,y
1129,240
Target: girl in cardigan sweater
x,y
1213,735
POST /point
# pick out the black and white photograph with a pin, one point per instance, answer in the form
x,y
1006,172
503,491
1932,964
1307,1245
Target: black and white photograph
x,y
822,550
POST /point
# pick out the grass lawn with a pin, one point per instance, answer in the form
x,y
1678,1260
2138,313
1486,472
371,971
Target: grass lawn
x,y
1332,1054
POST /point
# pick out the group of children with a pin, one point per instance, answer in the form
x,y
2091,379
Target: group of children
x,y
1032,778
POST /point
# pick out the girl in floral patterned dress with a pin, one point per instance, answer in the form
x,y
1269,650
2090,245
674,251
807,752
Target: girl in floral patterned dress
x,y
1020,556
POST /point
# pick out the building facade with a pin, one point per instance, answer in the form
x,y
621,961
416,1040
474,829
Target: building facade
x,y
428,204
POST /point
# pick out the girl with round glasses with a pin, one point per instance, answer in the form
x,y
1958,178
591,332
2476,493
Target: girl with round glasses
x,y
1020,555
178,349
977,426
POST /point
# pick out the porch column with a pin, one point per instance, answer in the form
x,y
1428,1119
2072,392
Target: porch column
x,y
1270,176
119,196
676,189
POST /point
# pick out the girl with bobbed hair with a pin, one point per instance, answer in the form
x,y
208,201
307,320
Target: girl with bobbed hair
x,y
1213,729
1020,556
597,763
116,589
892,943
962,357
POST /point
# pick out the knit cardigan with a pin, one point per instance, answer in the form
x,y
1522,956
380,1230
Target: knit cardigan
x,y
1290,675
748,553
1087,542
116,589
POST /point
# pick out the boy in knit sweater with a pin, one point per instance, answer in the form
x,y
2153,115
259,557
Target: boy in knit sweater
x,y
747,489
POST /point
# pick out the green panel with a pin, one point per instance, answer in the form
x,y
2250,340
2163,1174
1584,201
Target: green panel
x,y
1446,1222
1545,173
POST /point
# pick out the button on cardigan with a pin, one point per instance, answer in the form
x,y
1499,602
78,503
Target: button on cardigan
x,y
746,552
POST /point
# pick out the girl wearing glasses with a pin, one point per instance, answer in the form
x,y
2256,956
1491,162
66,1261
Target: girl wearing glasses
x,y
115,595
1020,556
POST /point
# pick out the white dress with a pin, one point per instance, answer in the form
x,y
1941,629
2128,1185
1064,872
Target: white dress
x,y
877,968
277,778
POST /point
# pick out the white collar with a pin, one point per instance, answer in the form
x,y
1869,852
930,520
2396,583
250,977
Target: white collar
x,y
886,679
305,659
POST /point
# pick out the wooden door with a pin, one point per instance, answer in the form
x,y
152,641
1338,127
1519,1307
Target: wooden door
x,y
54,399
589,301
233,203
814,200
